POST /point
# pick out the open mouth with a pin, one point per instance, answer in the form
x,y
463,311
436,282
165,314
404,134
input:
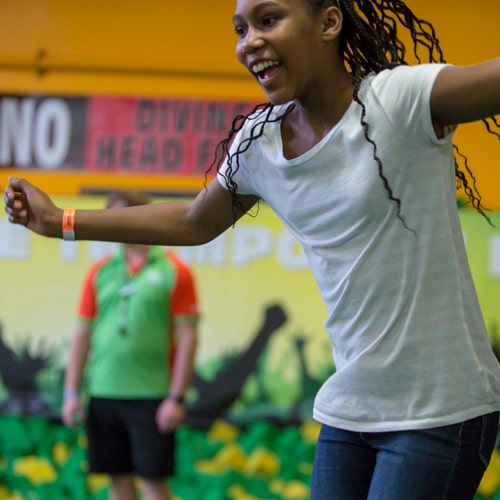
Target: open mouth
x,y
263,69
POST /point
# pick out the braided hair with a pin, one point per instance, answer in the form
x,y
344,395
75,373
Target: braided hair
x,y
369,43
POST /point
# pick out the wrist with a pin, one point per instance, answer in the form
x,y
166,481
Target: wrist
x,y
70,394
176,397
53,222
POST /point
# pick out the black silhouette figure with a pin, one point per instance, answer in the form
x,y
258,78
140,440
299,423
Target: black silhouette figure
x,y
18,374
309,385
216,397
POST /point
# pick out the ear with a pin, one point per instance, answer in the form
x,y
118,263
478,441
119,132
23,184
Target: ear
x,y
332,23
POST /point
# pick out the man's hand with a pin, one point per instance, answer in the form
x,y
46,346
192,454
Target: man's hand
x,y
170,415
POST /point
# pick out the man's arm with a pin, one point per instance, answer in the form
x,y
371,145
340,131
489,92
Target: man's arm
x,y
172,411
72,410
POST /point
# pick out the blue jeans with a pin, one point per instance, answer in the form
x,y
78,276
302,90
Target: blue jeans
x,y
440,463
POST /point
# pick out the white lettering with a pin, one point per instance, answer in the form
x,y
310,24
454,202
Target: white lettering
x,y
213,253
14,241
16,123
52,133
68,251
34,136
251,243
99,249
245,244
239,248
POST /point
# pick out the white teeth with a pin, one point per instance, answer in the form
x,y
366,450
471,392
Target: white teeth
x,y
257,68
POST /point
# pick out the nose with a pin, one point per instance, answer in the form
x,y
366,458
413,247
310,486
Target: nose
x,y
252,41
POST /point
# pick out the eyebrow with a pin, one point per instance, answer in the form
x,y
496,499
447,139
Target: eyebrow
x,y
260,6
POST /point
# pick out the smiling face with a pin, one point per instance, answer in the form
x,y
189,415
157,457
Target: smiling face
x,y
282,43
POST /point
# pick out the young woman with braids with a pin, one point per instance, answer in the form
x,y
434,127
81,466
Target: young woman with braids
x,y
354,152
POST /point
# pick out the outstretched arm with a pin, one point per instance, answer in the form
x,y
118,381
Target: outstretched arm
x,y
168,223
466,93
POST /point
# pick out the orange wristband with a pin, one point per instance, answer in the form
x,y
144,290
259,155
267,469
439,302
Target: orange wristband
x,y
68,224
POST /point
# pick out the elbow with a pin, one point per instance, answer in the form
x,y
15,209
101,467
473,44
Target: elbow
x,y
202,234
202,230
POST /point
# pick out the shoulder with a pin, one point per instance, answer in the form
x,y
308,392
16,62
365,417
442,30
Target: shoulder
x,y
180,265
171,256
402,90
404,76
101,263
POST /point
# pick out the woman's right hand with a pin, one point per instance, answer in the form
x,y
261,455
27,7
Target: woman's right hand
x,y
31,207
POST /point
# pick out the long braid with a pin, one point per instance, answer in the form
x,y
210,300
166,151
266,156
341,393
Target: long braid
x,y
373,34
222,152
369,43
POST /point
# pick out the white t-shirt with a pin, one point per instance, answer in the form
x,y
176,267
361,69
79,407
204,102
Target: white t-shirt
x,y
409,342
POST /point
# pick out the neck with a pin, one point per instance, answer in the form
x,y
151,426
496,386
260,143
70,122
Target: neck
x,y
312,119
136,253
324,107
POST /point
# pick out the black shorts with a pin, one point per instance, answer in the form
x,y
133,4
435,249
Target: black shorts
x,y
123,438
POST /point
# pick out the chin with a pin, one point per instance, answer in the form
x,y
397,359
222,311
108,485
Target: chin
x,y
278,99
276,95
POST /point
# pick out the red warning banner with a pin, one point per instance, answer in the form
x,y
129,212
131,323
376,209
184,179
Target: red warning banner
x,y
114,134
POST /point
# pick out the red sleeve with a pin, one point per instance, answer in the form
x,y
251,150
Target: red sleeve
x,y
183,298
87,307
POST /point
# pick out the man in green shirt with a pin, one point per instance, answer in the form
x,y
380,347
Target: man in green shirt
x,y
136,340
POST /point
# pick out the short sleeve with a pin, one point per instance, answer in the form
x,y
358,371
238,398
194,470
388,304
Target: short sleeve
x,y
87,306
184,303
404,95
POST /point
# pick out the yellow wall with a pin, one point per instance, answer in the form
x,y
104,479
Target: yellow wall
x,y
177,48
167,48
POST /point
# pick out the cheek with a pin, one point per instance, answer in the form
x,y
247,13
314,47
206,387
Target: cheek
x,y
240,53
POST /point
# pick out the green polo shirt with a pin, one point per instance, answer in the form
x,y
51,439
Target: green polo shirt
x,y
131,326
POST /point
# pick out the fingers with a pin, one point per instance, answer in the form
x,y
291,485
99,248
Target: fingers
x,y
15,201
9,195
17,211
169,416
15,189
19,185
73,414
79,417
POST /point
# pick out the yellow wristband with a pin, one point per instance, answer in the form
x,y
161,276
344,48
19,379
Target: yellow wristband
x,y
68,224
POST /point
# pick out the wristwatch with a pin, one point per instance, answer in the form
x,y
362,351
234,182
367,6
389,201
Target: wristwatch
x,y
176,398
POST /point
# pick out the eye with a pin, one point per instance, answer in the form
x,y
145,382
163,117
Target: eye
x,y
269,20
240,30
